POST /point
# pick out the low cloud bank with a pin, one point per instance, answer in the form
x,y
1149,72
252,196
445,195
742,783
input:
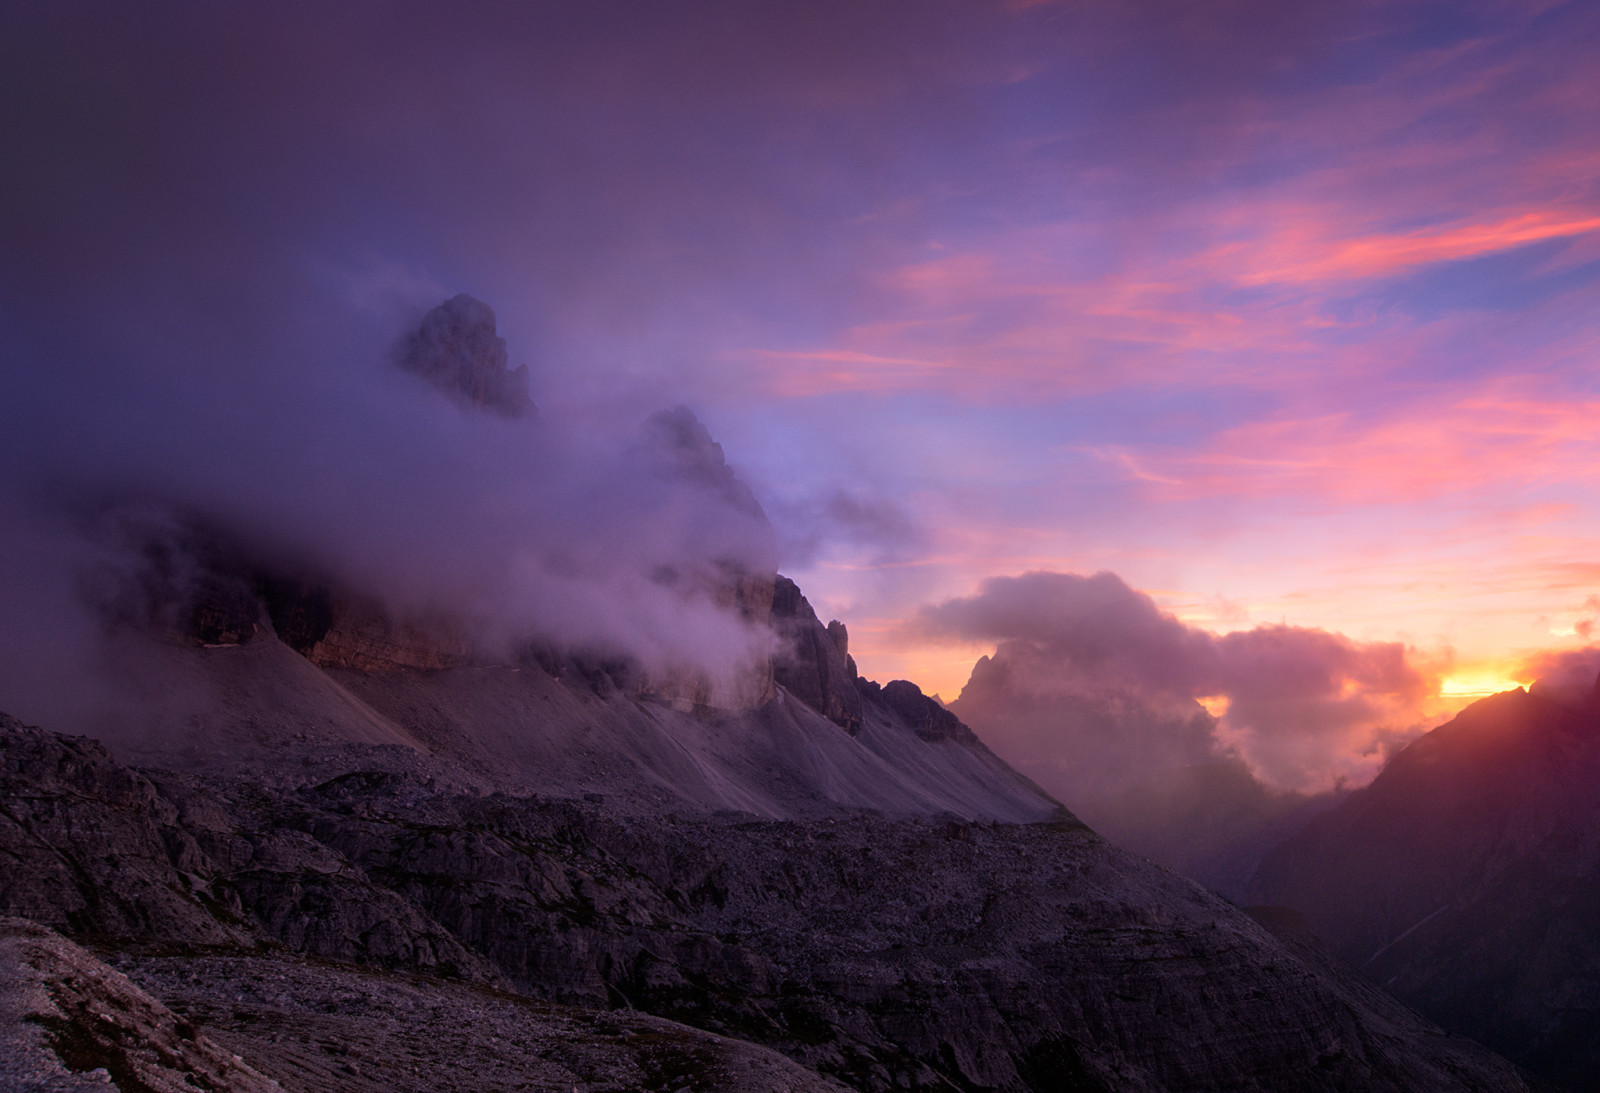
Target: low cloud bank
x,y
1567,675
1097,691
1199,750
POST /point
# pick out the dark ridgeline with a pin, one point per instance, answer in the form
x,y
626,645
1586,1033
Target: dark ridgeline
x,y
813,661
1466,879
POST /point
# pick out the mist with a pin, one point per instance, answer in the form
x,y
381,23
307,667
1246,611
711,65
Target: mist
x,y
1198,749
223,227
1567,675
310,450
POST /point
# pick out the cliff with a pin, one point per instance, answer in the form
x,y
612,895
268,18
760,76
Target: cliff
x,y
813,661
458,350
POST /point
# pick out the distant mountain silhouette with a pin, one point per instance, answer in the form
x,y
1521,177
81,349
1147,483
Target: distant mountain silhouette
x,y
1465,880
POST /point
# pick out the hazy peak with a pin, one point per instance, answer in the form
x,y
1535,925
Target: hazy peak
x,y
458,350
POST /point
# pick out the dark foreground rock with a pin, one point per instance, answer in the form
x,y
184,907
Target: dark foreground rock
x,y
69,1023
75,1023
918,953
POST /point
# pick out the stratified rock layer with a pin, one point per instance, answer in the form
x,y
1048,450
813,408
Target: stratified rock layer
x,y
918,953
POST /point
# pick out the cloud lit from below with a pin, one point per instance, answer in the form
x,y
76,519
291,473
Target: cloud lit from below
x,y
1094,683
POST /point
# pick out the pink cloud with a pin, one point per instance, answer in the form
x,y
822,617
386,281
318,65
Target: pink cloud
x,y
1483,439
1449,154
1093,681
1303,257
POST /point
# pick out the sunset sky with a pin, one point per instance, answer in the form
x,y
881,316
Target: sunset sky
x,y
1283,313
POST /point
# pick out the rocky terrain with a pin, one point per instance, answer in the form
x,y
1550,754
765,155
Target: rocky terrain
x,y
865,949
1466,879
75,1023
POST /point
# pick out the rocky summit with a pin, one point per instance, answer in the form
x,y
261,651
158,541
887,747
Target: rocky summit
x,y
457,349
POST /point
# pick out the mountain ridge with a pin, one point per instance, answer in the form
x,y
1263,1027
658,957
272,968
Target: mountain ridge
x,y
1464,878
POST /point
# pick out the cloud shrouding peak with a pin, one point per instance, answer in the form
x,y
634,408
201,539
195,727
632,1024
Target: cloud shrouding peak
x,y
1265,299
1092,682
1567,675
319,456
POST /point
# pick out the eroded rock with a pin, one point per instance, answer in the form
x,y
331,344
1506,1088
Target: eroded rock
x,y
883,954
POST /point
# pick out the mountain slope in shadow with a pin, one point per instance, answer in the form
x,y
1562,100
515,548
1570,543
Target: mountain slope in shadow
x,y
1466,879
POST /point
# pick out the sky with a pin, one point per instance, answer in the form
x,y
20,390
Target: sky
x,y
1284,314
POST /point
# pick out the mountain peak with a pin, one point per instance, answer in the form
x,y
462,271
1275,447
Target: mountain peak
x,y
457,349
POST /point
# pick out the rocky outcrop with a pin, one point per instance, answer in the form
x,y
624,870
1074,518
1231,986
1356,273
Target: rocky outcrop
x,y
926,717
343,631
254,1021
884,954
179,578
1465,879
811,661
457,350
68,1023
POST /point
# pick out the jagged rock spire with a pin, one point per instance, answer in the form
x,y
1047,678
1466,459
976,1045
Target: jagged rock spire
x,y
457,350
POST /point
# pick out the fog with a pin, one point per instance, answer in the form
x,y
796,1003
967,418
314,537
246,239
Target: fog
x,y
1196,748
1095,672
320,455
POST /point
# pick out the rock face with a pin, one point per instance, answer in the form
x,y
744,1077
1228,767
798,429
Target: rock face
x,y
457,350
930,720
1466,878
70,1023
878,953
336,630
812,661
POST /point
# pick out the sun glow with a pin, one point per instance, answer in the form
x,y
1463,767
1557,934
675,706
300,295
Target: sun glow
x,y
1476,685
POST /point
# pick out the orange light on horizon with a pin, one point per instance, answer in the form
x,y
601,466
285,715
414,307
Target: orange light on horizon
x,y
1476,685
